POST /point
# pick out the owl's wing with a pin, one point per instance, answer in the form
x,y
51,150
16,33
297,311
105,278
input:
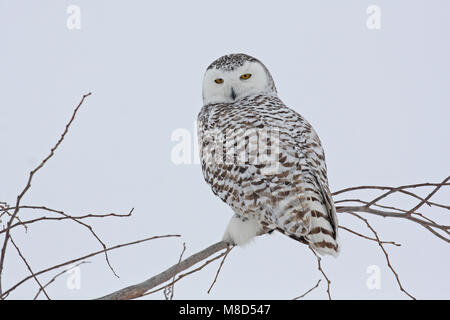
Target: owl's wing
x,y
240,184
323,224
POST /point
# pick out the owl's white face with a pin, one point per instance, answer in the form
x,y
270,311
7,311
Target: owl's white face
x,y
227,86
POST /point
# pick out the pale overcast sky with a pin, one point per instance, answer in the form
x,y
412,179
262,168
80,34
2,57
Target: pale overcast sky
x,y
379,99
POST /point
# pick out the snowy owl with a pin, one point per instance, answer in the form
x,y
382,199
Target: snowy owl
x,y
262,158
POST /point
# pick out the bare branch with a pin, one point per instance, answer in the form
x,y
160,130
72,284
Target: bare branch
x,y
303,295
187,273
319,266
368,238
169,291
385,254
5,211
350,206
28,267
28,186
410,186
55,277
88,227
84,258
220,267
63,217
142,288
428,196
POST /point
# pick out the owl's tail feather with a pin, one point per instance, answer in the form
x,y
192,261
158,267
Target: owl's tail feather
x,y
323,233
312,220
320,244
321,237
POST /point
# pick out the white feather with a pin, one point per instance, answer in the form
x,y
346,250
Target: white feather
x,y
241,232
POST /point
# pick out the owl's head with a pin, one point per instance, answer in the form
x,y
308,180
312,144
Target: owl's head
x,y
236,76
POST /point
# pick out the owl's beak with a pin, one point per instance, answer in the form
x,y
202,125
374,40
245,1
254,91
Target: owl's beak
x,y
233,93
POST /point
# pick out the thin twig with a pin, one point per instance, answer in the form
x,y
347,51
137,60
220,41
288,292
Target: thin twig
x,y
29,267
410,186
64,216
142,288
28,186
220,267
184,275
83,258
303,295
428,196
391,214
385,254
368,238
169,291
20,222
319,266
57,276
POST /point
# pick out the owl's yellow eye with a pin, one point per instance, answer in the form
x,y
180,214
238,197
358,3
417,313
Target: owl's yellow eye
x,y
245,76
218,80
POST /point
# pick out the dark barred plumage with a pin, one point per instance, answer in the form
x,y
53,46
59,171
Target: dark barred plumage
x,y
232,61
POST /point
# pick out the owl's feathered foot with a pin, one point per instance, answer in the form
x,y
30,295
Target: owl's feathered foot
x,y
241,230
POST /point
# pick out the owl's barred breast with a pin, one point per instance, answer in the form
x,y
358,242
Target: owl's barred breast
x,y
266,162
